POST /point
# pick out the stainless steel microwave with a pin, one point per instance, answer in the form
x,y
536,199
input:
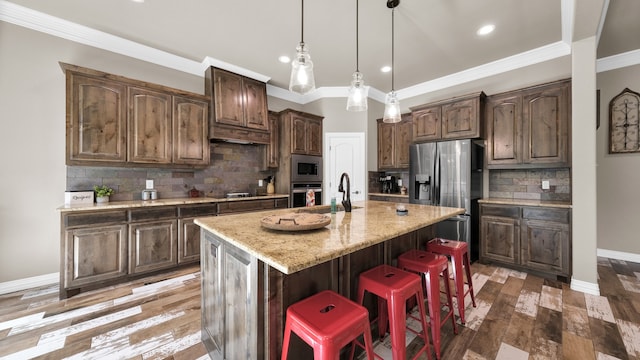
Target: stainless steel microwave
x,y
306,168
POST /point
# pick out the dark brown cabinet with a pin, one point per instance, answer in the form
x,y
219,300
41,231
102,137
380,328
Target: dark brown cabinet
x,y
529,238
530,128
152,246
301,132
393,143
239,107
459,118
271,155
116,121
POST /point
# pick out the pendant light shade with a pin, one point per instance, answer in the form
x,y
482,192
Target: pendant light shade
x,y
391,103
358,93
302,80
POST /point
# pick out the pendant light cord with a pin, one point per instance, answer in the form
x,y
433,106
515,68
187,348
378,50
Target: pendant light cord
x,y
357,38
393,68
302,26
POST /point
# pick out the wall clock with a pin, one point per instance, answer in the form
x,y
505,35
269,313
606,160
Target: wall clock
x,y
624,128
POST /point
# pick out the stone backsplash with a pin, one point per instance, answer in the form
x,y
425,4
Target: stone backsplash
x,y
234,168
527,184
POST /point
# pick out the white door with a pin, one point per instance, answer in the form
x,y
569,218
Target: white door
x,y
346,155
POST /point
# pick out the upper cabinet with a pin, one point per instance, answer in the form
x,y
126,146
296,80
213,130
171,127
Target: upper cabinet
x,y
239,107
271,151
459,118
393,143
116,121
530,128
301,132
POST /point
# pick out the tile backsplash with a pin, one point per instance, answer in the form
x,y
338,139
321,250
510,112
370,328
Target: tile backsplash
x,y
234,168
527,184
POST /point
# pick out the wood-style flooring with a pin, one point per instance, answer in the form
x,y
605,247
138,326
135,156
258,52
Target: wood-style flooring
x,y
518,316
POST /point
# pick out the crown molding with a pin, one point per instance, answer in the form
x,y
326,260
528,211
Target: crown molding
x,y
38,21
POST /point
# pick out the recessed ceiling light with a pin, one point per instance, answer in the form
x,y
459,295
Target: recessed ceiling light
x,y
138,1
284,59
385,69
486,30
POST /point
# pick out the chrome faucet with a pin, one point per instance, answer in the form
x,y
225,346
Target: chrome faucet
x,y
346,203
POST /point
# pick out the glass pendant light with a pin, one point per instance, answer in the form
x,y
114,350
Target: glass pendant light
x,y
391,103
358,93
302,80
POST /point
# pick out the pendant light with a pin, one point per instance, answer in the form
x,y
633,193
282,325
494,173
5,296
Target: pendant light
x,y
358,93
391,103
302,80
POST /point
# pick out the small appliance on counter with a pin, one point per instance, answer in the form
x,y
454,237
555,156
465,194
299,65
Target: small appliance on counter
x,y
389,184
235,195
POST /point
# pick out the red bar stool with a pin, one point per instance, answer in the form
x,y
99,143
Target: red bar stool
x,y
459,253
328,321
394,287
431,266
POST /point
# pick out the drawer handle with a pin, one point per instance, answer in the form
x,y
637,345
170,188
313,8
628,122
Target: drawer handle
x,y
288,219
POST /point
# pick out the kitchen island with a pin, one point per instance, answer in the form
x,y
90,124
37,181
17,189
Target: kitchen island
x,y
251,274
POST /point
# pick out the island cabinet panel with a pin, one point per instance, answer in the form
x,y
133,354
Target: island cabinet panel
x,y
152,246
96,120
93,254
150,139
528,238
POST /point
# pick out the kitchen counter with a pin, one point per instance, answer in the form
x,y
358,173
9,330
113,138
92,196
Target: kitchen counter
x,y
160,202
369,223
261,272
526,202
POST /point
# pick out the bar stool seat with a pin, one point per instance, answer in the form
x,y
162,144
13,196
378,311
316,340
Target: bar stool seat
x,y
431,266
328,321
394,287
458,251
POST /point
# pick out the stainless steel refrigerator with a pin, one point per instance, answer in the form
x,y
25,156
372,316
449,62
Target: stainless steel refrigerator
x,y
449,173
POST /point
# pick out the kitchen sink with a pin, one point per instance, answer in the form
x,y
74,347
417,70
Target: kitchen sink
x,y
323,209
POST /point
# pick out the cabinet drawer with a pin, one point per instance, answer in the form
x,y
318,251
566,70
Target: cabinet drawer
x,y
198,210
152,213
548,214
240,206
103,217
503,211
282,203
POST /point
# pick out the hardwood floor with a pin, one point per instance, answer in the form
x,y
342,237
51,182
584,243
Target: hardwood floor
x,y
518,316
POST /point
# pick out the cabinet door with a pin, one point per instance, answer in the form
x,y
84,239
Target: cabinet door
x,y
404,134
255,104
500,239
94,254
426,124
314,137
504,130
386,145
188,241
461,119
228,98
96,120
546,125
271,149
298,134
150,139
545,246
190,127
152,246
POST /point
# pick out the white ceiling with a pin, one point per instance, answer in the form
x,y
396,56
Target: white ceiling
x,y
433,38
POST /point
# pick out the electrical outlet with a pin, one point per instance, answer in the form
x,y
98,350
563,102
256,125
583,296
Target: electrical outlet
x,y
545,184
149,184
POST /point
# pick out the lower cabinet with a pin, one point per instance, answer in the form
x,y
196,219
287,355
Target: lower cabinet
x,y
529,238
152,246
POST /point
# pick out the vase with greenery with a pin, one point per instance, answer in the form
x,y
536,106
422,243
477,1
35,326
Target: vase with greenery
x,y
102,193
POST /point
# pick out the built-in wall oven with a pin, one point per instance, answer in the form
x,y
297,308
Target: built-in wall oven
x,y
299,193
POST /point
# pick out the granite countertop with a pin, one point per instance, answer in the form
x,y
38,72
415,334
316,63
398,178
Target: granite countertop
x,y
160,202
526,202
369,223
390,195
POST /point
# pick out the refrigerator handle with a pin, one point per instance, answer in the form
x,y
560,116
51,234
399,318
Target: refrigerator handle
x,y
436,180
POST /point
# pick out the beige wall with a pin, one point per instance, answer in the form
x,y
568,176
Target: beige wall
x,y
618,175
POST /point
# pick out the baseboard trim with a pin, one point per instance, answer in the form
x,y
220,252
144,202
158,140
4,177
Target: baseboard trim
x,y
585,287
618,255
28,283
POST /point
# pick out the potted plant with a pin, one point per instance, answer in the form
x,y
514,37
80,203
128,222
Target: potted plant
x,y
102,193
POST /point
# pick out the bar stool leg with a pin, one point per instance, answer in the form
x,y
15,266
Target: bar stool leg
x,y
467,268
433,298
458,276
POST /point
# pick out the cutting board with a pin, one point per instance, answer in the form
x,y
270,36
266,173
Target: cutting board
x,y
295,221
